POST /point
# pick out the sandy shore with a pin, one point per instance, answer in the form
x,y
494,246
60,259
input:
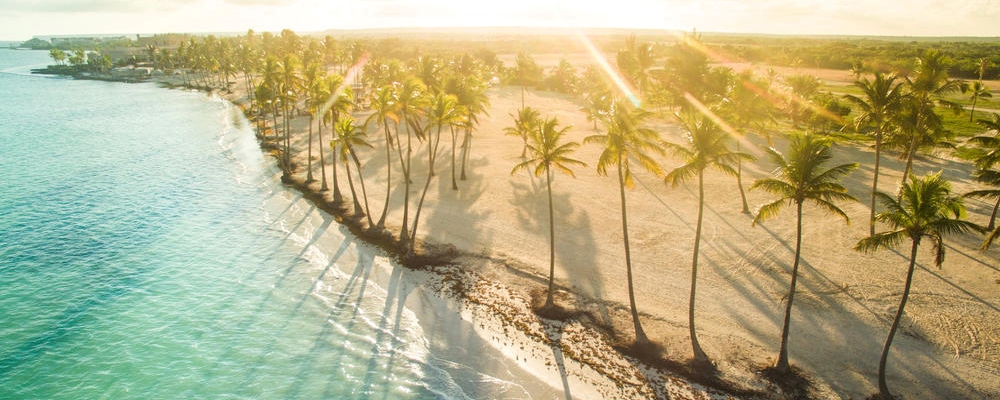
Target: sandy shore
x,y
949,346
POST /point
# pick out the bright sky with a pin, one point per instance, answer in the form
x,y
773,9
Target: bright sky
x,y
22,19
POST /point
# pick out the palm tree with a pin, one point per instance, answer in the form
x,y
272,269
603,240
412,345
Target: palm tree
x,y
524,125
547,152
626,141
988,154
978,90
881,99
748,107
471,94
595,105
339,104
706,148
411,97
926,208
383,102
313,79
801,177
444,110
349,136
927,87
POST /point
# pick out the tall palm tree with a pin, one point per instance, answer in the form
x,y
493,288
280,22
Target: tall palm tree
x,y
444,110
349,136
928,87
411,98
290,81
471,94
524,125
926,208
383,103
312,81
801,177
882,98
627,141
339,104
547,151
706,147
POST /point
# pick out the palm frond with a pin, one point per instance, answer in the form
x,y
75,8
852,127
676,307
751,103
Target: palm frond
x,y
881,240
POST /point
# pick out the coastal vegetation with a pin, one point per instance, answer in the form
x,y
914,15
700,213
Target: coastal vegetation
x,y
416,100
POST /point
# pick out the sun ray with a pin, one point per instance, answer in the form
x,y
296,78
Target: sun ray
x,y
352,74
619,82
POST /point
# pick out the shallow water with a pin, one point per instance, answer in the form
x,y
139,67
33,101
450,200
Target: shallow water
x,y
148,250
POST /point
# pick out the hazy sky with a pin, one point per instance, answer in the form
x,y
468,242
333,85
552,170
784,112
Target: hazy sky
x,y
22,19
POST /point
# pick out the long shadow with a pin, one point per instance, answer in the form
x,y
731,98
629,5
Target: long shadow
x,y
554,344
291,315
575,244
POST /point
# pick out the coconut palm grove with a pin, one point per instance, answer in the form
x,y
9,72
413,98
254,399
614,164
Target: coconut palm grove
x,y
756,216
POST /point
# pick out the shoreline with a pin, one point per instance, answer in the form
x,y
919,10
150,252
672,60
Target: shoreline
x,y
581,360
740,341
585,360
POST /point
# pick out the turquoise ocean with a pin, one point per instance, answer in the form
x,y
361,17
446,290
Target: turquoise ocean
x,y
149,251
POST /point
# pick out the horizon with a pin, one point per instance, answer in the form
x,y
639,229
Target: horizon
x,y
893,18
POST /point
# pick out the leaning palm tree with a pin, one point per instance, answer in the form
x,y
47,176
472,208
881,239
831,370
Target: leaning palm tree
x,y
383,104
706,147
443,111
926,208
348,137
524,125
411,97
547,151
625,141
881,98
801,177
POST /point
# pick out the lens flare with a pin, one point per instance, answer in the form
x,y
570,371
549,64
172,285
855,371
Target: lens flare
x,y
619,82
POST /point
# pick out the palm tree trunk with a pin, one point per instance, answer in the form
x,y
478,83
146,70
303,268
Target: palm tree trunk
x,y
322,163
878,157
739,180
309,156
909,159
640,335
993,216
364,192
454,139
972,112
388,176
552,241
404,232
338,198
699,354
782,364
431,154
467,148
883,389
350,184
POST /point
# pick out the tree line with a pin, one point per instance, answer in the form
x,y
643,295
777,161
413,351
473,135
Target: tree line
x,y
418,103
